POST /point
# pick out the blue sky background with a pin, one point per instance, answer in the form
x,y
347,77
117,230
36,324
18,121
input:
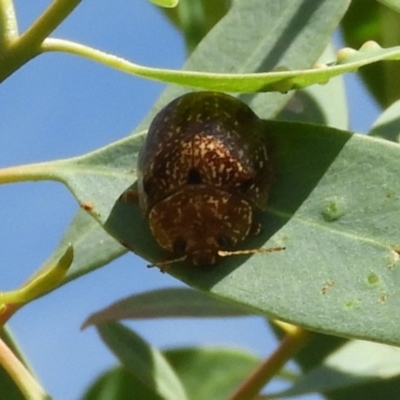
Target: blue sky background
x,y
60,106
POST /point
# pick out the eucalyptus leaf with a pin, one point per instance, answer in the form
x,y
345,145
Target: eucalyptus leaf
x,y
164,303
334,206
281,79
210,373
144,362
118,384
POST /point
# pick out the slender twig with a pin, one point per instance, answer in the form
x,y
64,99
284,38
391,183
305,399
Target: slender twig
x,y
288,347
27,45
28,385
47,22
8,24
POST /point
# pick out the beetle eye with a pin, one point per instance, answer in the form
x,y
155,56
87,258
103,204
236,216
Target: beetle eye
x,y
179,247
224,241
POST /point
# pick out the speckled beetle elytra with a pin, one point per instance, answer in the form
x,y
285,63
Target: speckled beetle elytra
x,y
203,170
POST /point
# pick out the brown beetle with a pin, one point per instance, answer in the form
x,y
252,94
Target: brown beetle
x,y
202,171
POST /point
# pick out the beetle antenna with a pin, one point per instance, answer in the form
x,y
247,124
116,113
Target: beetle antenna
x,y
223,253
164,265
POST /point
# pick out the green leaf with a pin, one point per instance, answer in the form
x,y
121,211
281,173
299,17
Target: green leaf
x,y
97,179
164,303
291,49
334,206
387,126
349,60
211,373
147,365
356,366
118,384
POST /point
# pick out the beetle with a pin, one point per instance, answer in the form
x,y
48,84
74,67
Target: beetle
x,y
202,172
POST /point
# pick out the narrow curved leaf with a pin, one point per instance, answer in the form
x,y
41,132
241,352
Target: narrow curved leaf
x,y
211,374
289,50
284,78
118,384
146,364
165,303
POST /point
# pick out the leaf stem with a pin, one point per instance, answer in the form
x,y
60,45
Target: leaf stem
x,y
288,347
27,46
30,172
8,25
28,385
